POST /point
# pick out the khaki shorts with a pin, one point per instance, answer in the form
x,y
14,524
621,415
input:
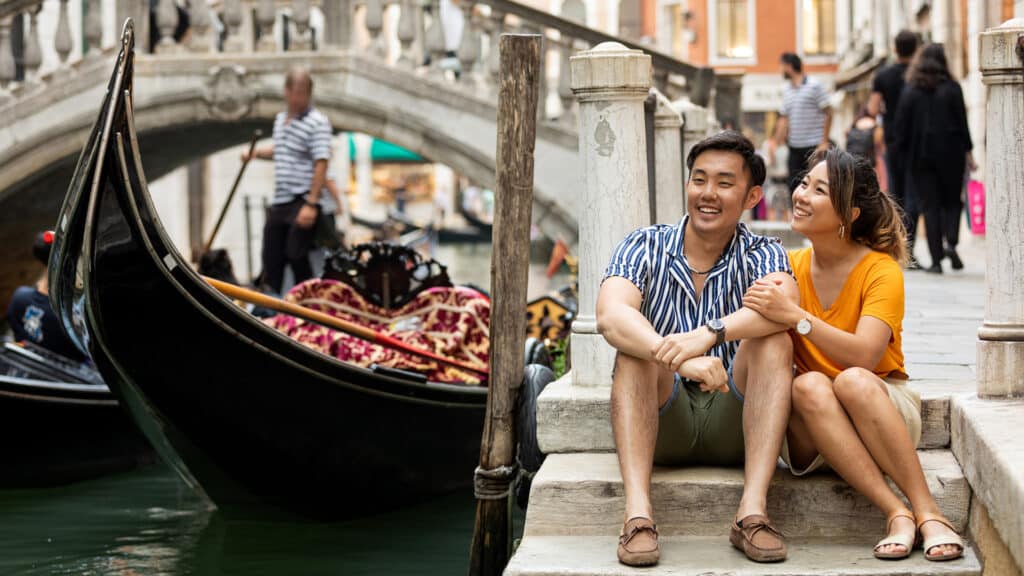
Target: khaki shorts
x,y
907,402
700,428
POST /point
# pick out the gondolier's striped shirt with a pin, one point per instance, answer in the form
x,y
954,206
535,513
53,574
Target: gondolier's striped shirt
x,y
297,145
652,259
805,107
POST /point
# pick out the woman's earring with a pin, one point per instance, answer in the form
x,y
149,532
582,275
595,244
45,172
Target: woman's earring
x,y
842,231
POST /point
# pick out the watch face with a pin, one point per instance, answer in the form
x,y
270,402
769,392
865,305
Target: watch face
x,y
803,327
716,325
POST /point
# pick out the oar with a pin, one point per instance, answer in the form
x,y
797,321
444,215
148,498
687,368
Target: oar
x,y
253,297
231,195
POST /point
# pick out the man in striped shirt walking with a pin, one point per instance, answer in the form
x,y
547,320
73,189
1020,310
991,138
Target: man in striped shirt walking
x,y
805,118
300,151
699,379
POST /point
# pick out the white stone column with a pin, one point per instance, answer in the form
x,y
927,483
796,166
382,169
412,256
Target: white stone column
x,y
7,65
695,127
1001,344
266,15
610,83
669,190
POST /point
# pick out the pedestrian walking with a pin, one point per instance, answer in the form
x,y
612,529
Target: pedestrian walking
x,y
300,151
933,138
805,118
885,99
864,138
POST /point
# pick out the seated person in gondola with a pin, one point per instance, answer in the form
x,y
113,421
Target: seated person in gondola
x,y
29,312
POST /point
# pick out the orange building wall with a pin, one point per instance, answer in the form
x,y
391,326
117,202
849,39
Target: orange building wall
x,y
775,32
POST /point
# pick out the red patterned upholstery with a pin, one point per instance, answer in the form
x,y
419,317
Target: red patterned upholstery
x,y
452,322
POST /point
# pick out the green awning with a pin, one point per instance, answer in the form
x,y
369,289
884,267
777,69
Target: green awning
x,y
382,151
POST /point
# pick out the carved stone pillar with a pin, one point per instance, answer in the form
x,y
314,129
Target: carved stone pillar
x,y
200,23
669,189
407,33
337,23
62,39
610,83
469,47
493,54
33,50
695,127
1001,335
574,11
8,69
265,16
435,43
374,21
94,28
300,15
233,22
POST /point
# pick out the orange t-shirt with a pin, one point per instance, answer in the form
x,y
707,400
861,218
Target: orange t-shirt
x,y
873,288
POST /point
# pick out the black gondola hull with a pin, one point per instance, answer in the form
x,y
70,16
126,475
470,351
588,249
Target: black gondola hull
x,y
250,416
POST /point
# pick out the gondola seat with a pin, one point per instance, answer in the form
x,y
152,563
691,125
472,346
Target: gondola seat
x,y
451,321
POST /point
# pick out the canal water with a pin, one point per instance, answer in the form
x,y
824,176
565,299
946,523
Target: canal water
x,y
148,523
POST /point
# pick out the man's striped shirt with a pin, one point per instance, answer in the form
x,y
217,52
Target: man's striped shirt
x,y
652,259
297,145
805,106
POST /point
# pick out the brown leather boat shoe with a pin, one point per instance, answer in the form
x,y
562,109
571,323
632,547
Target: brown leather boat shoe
x,y
638,543
759,539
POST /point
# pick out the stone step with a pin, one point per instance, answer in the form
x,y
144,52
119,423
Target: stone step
x,y
713,556
576,419
581,494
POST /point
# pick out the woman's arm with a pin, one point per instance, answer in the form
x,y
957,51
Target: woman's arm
x,y
863,348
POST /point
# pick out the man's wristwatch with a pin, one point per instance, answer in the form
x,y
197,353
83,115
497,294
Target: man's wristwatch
x,y
717,328
803,327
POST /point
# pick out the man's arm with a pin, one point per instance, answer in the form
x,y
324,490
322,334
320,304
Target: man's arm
x,y
261,153
620,321
316,185
875,103
827,129
779,137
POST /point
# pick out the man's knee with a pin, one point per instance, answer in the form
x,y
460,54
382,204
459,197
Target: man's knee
x,y
632,369
857,386
812,393
773,347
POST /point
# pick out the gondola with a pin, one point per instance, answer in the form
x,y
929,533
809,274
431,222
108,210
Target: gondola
x,y
60,421
471,234
245,414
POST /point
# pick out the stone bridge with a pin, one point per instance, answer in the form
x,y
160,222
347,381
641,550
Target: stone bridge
x,y
377,68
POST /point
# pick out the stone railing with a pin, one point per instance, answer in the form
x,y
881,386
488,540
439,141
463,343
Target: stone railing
x,y
404,34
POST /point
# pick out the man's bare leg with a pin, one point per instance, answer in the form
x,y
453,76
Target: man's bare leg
x,y
763,373
639,387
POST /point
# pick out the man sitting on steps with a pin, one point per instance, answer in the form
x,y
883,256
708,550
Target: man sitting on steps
x,y
699,379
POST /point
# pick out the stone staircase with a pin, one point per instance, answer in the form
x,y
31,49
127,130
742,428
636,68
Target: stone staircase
x,y
577,500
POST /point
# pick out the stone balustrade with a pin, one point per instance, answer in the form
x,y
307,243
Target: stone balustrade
x,y
406,34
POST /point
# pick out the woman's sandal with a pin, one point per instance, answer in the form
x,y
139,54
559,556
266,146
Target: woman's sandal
x,y
905,540
936,541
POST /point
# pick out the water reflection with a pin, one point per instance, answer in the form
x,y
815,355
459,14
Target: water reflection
x,y
147,523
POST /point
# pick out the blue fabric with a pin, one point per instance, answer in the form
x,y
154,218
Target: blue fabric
x,y
32,320
652,259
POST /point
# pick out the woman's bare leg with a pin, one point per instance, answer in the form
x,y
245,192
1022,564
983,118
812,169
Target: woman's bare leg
x,y
833,434
881,428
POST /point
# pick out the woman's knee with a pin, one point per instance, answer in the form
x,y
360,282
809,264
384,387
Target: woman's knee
x,y
812,393
857,386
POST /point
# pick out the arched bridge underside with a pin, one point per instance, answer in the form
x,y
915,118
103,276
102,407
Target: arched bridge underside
x,y
192,105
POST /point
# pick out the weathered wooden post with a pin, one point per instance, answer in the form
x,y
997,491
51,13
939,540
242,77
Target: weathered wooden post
x,y
669,190
610,83
1001,335
517,133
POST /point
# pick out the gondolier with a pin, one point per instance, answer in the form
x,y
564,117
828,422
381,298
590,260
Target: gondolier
x,y
301,150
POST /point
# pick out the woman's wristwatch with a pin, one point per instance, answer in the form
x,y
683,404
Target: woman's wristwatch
x,y
803,327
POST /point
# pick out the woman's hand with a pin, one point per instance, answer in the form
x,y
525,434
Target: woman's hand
x,y
767,299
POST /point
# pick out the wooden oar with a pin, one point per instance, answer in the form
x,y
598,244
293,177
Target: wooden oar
x,y
253,297
231,195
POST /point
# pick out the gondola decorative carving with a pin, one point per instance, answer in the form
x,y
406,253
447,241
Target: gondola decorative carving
x,y
388,275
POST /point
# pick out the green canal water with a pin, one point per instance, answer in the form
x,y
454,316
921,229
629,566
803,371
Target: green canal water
x,y
148,523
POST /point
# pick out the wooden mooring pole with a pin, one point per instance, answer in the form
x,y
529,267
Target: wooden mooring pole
x,y
513,194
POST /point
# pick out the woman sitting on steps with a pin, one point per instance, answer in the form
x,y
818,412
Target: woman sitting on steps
x,y
852,407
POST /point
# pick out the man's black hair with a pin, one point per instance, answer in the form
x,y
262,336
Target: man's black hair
x,y
793,60
907,43
731,141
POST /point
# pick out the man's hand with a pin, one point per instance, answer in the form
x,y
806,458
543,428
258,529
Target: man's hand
x,y
822,146
708,371
306,217
673,350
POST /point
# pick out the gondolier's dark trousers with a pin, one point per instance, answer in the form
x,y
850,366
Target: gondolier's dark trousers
x,y
284,242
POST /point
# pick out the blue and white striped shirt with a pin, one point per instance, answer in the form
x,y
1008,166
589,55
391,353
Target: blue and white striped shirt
x,y
652,259
805,107
297,145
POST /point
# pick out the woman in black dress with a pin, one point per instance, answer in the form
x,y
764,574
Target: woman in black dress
x,y
933,138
